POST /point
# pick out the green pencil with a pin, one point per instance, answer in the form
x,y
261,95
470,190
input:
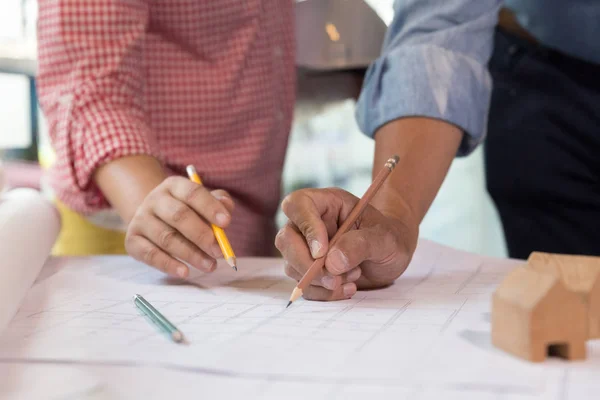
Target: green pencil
x,y
158,318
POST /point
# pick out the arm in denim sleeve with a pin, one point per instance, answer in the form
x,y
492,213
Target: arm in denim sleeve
x,y
433,64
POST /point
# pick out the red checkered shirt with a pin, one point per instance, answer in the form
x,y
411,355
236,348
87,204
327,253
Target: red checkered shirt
x,y
203,82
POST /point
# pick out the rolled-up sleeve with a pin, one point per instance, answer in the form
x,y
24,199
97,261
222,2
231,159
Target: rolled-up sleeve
x,y
433,64
90,83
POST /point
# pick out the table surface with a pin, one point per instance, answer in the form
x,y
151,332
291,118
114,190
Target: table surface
x,y
77,335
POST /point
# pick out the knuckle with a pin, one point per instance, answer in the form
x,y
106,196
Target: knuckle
x,y
130,242
289,271
285,204
193,193
315,293
195,257
212,266
282,238
180,213
166,238
151,200
205,238
286,268
137,220
150,255
310,294
306,228
170,181
290,200
165,265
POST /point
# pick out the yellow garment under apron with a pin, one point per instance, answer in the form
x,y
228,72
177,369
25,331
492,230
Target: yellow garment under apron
x,y
78,236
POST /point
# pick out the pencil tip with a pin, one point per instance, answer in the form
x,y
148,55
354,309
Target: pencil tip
x,y
232,263
289,304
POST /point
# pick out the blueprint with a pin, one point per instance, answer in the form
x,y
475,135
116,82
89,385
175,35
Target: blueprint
x,y
426,336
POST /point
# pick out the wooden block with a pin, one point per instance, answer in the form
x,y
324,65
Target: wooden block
x,y
535,315
580,274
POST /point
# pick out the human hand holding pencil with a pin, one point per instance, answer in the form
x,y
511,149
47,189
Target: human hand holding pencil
x,y
359,246
173,227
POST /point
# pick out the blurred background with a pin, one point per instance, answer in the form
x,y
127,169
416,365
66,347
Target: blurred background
x,y
336,39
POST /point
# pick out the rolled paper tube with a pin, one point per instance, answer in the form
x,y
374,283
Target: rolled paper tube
x,y
29,227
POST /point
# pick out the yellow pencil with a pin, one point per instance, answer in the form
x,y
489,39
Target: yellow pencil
x,y
219,232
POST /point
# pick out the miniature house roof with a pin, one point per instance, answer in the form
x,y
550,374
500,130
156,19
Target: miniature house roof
x,y
578,273
525,287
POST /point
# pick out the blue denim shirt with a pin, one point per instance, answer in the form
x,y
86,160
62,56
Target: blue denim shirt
x,y
435,55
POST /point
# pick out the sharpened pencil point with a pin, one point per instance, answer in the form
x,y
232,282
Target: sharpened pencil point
x,y
232,263
295,296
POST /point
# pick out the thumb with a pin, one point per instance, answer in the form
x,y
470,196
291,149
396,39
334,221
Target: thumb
x,y
303,212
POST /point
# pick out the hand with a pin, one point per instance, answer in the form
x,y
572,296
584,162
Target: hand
x,y
172,227
372,255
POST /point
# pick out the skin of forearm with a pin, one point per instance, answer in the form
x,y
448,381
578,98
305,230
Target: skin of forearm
x,y
125,182
426,148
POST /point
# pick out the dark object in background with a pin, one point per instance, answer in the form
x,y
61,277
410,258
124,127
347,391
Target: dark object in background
x,y
541,151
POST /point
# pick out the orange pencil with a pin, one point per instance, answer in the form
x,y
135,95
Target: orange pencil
x,y
358,209
219,232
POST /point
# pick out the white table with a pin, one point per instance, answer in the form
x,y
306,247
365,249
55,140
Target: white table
x,y
426,337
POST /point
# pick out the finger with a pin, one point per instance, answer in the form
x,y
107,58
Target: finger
x,y
184,219
145,251
317,213
291,272
352,276
224,198
303,212
294,250
318,293
327,281
333,282
174,244
292,247
359,245
199,199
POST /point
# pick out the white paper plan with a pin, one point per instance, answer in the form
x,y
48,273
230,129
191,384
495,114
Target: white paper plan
x,y
427,336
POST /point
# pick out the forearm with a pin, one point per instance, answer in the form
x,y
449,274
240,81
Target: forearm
x,y
126,181
426,148
434,65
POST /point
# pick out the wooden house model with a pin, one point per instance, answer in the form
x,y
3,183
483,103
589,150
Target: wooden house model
x,y
579,274
534,315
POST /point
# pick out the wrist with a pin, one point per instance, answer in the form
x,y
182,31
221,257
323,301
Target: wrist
x,y
426,148
394,206
125,182
390,202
